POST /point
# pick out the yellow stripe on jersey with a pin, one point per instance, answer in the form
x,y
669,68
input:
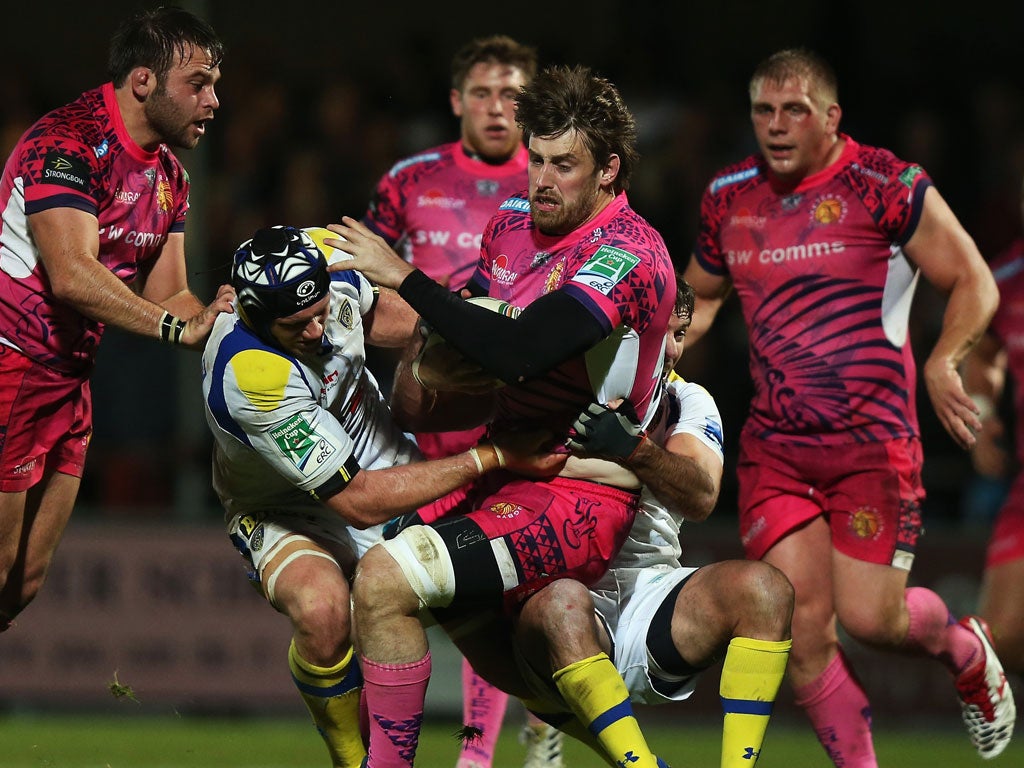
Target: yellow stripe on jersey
x,y
261,377
673,376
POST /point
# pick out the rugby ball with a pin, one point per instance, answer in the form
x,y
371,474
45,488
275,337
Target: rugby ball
x,y
332,254
442,367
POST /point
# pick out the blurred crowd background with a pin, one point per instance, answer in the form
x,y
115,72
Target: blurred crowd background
x,y
317,101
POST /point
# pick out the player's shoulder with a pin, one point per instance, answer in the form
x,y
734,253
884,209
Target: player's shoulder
x,y
423,160
880,167
682,390
83,121
737,176
256,366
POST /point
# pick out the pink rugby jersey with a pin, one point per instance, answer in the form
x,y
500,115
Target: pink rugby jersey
x,y
80,156
618,267
435,205
825,290
1008,325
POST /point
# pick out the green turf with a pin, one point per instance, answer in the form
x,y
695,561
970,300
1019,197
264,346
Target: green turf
x,y
140,742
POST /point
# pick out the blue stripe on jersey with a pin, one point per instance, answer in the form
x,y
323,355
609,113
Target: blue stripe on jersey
x,y
746,707
1008,270
733,178
520,204
239,340
62,201
620,711
916,207
426,157
584,298
347,276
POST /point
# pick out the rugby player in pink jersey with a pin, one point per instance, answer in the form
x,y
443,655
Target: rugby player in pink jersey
x,y
596,283
823,240
93,199
432,207
999,354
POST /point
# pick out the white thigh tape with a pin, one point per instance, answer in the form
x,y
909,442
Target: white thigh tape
x,y
284,564
424,559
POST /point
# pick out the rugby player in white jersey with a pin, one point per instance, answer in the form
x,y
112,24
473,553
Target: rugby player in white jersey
x,y
307,461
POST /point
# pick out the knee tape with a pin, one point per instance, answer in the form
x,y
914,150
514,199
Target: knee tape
x,y
423,557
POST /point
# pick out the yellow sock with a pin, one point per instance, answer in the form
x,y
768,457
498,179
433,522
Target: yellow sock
x,y
565,721
751,676
595,692
332,698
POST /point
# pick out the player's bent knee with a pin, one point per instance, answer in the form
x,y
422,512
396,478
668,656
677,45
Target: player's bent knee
x,y
423,557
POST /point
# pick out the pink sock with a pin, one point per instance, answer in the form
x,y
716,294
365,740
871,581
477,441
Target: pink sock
x,y
840,713
935,633
394,698
483,707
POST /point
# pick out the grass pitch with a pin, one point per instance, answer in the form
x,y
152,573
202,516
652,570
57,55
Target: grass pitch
x,y
191,742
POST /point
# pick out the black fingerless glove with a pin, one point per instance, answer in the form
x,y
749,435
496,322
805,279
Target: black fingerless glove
x,y
600,431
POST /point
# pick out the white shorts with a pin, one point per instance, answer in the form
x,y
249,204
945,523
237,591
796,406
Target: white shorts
x,y
641,593
257,535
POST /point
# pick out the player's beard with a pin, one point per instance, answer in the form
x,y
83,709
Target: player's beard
x,y
568,215
169,120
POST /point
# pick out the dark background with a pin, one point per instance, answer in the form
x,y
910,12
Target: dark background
x,y
318,100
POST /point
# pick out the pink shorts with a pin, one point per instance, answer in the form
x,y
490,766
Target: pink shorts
x,y
1007,540
46,418
559,528
870,494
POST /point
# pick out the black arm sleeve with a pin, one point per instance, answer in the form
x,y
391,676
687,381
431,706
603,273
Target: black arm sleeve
x,y
551,330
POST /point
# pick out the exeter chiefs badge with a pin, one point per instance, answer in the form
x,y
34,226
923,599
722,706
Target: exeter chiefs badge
x,y
828,210
866,523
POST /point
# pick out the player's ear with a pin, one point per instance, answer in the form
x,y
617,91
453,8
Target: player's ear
x,y
610,171
143,82
455,97
833,114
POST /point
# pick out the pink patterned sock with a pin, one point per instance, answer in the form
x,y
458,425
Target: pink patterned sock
x,y
394,699
840,713
483,707
935,633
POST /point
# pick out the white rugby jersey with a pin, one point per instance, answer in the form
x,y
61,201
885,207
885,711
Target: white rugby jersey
x,y
283,426
654,538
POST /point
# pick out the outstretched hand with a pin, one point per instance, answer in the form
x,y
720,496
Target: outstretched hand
x,y
198,327
371,254
613,433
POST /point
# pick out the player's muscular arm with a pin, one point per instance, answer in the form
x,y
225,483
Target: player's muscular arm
x,y
949,260
375,496
710,291
685,475
392,322
68,243
166,284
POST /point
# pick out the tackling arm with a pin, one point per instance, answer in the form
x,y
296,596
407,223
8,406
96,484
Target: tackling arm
x,y
69,246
